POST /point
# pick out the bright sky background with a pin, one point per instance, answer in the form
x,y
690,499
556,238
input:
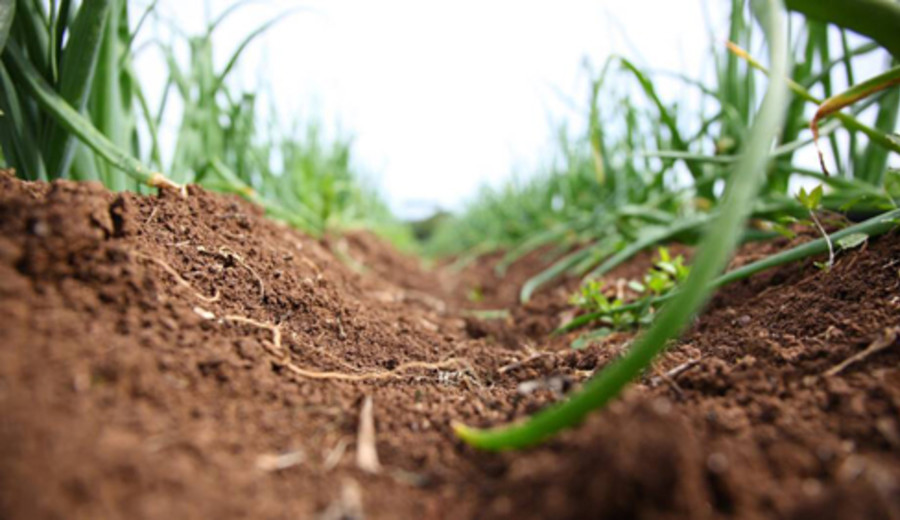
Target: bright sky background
x,y
440,97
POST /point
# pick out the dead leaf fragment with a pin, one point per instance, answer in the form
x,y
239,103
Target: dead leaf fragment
x,y
366,453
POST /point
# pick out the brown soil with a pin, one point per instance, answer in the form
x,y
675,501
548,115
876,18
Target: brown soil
x,y
164,357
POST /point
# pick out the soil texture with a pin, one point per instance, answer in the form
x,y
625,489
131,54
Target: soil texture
x,y
183,357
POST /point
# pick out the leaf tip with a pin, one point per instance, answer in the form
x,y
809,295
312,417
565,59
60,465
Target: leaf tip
x,y
466,433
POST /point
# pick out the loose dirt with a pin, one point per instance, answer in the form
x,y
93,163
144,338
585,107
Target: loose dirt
x,y
169,357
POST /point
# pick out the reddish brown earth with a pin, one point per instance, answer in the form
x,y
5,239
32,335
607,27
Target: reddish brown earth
x,y
164,357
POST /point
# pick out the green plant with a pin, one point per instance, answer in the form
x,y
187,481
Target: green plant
x,y
609,194
662,277
71,64
591,298
666,273
846,238
812,201
74,108
718,242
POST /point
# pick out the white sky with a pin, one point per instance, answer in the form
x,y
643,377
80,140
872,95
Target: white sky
x,y
440,97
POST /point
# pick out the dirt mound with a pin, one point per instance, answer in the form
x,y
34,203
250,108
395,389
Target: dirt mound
x,y
186,358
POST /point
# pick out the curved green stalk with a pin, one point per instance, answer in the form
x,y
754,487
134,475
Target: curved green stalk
x,y
856,93
717,245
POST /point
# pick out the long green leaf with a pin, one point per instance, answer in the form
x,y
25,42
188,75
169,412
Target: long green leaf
x,y
70,119
877,19
649,238
7,13
78,64
850,122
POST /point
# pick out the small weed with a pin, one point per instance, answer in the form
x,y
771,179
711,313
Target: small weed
x,y
664,276
812,201
591,298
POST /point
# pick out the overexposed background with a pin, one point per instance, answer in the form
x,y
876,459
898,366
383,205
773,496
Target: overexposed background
x,y
440,98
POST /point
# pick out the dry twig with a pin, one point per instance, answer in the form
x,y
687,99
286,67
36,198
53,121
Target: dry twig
x,y
366,453
335,455
887,339
669,376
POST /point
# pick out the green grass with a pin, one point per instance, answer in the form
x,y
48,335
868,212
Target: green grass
x,y
646,172
75,109
712,255
625,200
612,192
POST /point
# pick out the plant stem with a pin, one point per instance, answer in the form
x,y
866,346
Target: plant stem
x,y
825,237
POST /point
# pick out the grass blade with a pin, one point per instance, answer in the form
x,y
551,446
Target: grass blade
x,y
877,19
7,14
855,93
79,62
80,126
649,238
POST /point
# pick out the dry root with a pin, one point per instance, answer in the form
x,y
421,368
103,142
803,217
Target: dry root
x,y
178,278
887,339
397,373
366,454
274,329
516,364
312,265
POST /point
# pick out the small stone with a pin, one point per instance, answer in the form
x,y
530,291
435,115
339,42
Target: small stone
x,y
717,463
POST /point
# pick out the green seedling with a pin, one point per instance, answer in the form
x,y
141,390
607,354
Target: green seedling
x,y
667,272
812,202
847,238
593,299
663,276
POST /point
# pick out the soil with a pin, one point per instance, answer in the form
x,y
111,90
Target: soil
x,y
170,357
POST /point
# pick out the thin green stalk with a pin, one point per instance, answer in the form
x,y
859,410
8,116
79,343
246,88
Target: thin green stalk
x,y
649,238
7,14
